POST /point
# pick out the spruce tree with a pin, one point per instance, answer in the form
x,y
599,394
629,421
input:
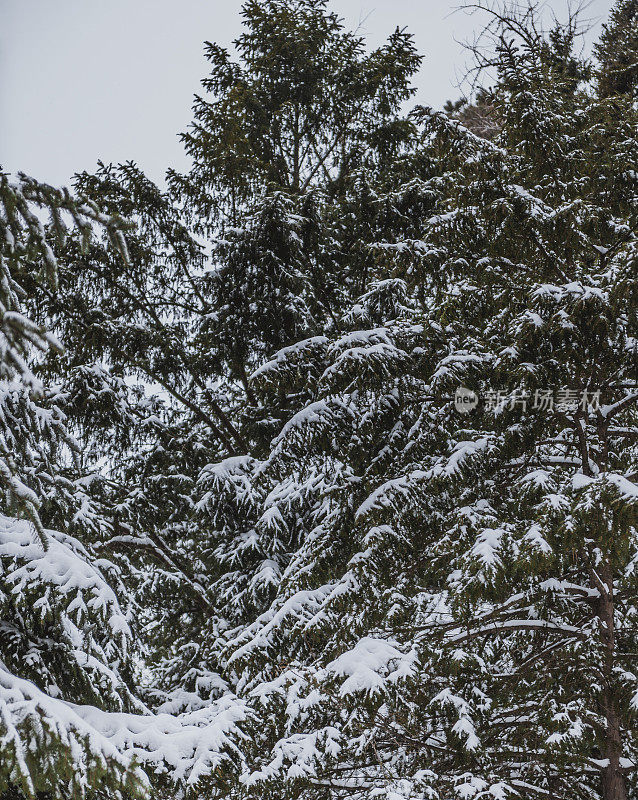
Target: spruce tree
x,y
349,587
617,52
72,723
457,616
63,635
160,348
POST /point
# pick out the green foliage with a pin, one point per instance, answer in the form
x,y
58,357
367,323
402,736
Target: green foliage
x,y
304,106
344,586
617,52
63,636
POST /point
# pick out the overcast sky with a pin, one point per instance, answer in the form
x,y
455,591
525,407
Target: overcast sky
x,y
82,80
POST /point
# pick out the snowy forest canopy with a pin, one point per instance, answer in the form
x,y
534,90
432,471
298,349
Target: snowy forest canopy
x,y
252,545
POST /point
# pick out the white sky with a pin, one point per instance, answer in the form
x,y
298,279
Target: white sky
x,y
82,80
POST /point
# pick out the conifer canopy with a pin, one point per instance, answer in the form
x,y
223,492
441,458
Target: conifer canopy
x,y
320,463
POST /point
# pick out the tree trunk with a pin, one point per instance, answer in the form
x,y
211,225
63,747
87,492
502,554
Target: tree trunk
x,y
613,782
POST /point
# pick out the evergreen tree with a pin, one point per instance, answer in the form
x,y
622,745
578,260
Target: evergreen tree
x,y
160,347
63,635
617,52
304,106
457,614
347,586
71,723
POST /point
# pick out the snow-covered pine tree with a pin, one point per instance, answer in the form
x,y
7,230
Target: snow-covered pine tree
x,y
70,724
393,600
277,141
617,52
132,400
212,288
63,635
458,616
303,106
